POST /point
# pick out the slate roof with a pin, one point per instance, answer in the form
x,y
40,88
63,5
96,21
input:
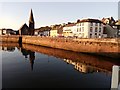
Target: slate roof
x,y
23,26
89,20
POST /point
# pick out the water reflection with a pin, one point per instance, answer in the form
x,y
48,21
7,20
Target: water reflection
x,y
81,62
85,68
30,55
9,49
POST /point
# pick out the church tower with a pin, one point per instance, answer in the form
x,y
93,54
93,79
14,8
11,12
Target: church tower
x,y
31,24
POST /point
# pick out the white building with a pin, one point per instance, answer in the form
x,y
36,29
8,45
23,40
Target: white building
x,y
46,33
90,28
7,32
42,31
36,32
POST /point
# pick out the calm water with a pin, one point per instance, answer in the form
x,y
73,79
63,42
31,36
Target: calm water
x,y
31,66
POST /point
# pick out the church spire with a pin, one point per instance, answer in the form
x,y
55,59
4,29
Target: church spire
x,y
31,19
31,24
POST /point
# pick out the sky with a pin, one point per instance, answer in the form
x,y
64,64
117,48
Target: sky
x,y
15,14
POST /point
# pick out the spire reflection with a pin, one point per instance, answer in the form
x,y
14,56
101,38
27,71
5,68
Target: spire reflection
x,y
32,58
30,55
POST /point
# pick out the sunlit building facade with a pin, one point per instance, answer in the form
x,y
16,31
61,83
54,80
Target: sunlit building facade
x,y
90,28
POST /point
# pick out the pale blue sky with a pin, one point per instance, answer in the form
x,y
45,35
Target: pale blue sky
x,y
14,14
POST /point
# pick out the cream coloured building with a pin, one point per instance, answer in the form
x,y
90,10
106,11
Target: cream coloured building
x,y
56,31
86,28
90,28
69,30
53,32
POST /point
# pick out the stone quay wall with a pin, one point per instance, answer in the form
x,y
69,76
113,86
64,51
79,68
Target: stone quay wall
x,y
104,63
105,45
77,45
7,38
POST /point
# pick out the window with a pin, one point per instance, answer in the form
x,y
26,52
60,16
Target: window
x,y
95,33
82,24
96,29
99,24
83,29
91,29
4,31
90,35
99,29
80,29
96,24
77,29
91,24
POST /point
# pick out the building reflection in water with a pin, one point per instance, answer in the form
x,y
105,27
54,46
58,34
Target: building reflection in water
x,y
83,67
81,62
9,49
28,54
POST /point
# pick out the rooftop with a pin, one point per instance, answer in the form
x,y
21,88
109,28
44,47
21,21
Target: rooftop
x,y
69,25
89,20
23,26
118,22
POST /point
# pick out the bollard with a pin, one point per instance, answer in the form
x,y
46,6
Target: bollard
x,y
115,77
